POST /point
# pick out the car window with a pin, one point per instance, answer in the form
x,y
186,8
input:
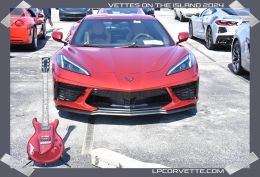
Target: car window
x,y
121,32
208,12
16,11
213,10
32,12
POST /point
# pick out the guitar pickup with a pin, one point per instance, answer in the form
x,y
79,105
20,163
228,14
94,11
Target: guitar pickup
x,y
45,138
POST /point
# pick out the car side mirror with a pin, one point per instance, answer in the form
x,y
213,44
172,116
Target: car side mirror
x,y
57,36
197,14
183,36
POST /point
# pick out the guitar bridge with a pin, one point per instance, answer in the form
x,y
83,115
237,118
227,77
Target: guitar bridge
x,y
45,142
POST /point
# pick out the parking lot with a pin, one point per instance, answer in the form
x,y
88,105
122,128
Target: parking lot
x,y
216,136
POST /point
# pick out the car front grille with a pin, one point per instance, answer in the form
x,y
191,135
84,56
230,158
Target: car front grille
x,y
128,100
187,91
67,92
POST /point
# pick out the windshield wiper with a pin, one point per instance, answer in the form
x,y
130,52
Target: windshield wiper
x,y
135,45
88,45
131,45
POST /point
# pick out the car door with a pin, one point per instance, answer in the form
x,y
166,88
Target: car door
x,y
202,21
196,22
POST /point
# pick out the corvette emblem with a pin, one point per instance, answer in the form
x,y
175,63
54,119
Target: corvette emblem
x,y
129,79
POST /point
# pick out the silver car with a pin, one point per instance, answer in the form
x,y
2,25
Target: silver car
x,y
241,49
183,14
217,26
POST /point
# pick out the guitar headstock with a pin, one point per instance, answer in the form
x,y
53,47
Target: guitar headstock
x,y
45,64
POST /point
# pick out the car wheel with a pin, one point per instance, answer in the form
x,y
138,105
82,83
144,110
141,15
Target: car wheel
x,y
190,30
43,36
181,18
236,59
34,43
176,16
209,39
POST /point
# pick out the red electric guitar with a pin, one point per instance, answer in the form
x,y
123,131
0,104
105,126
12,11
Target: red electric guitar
x,y
45,146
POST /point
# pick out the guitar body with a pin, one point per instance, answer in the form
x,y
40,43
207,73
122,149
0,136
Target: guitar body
x,y
45,146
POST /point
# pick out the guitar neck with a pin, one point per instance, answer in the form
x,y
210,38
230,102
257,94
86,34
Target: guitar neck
x,y
45,104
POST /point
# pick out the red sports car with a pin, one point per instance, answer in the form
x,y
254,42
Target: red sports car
x,y
124,65
26,27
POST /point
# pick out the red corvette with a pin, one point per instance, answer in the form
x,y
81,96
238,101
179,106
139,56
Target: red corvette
x,y
26,27
123,65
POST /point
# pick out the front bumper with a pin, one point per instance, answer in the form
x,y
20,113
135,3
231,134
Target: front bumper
x,y
127,112
92,101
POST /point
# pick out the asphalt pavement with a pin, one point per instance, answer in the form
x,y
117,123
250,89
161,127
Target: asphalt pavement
x,y
216,136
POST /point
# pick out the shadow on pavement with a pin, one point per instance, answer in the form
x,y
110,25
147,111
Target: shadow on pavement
x,y
245,76
217,48
69,130
26,48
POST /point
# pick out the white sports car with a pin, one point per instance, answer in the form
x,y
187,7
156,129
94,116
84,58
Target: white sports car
x,y
241,49
185,13
217,26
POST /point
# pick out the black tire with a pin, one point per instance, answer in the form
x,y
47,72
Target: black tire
x,y
43,36
34,44
191,30
182,18
209,39
236,59
176,16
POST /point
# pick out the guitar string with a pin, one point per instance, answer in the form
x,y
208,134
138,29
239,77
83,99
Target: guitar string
x,y
45,112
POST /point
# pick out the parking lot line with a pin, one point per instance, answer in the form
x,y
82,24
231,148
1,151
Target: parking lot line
x,y
89,136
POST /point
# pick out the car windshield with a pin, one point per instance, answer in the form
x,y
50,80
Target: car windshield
x,y
16,11
121,33
121,10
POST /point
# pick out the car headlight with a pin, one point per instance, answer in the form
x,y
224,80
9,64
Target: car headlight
x,y
67,64
185,63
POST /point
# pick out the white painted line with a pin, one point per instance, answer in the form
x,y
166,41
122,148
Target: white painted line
x,y
105,158
9,160
89,137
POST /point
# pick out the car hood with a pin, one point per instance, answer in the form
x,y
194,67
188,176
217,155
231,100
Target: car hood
x,y
124,60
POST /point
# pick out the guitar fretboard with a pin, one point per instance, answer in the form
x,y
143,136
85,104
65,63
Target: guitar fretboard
x,y
45,102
